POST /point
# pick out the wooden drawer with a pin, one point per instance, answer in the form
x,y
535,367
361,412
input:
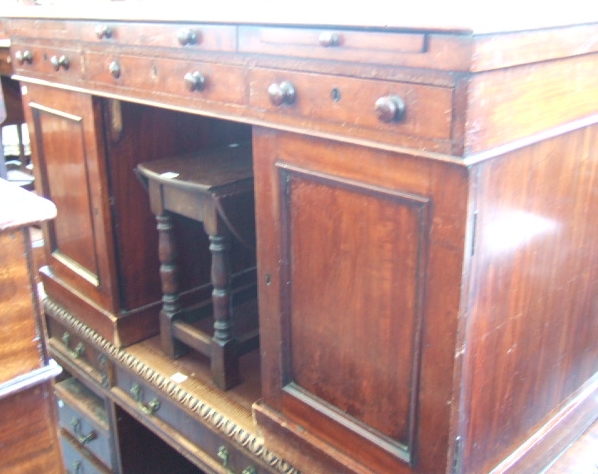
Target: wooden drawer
x,y
82,414
36,28
345,103
62,64
192,36
76,461
77,350
221,83
176,422
331,44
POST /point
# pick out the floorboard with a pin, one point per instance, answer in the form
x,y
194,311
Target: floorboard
x,y
581,457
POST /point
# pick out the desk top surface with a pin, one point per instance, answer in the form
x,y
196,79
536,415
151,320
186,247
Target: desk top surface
x,y
459,16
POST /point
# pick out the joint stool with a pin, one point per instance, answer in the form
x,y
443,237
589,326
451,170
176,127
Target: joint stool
x,y
214,187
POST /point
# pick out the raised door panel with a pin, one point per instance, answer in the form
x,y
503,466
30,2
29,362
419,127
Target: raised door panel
x,y
360,256
354,256
70,168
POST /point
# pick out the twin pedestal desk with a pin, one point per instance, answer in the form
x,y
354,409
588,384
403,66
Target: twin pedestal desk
x,y
425,193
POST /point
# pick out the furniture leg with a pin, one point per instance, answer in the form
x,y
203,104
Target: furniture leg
x,y
170,286
224,361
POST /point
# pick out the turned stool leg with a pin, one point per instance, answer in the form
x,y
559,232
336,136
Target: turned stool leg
x,y
224,361
170,286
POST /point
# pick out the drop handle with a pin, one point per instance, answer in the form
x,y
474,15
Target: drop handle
x,y
60,62
282,93
390,108
78,352
147,408
23,57
195,81
224,457
78,430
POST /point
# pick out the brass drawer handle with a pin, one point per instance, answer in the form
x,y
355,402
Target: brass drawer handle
x,y
23,57
282,93
147,408
115,69
83,439
195,81
60,62
390,108
79,350
328,39
224,455
187,37
77,467
103,32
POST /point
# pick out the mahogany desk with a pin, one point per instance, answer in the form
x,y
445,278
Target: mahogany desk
x,y
425,188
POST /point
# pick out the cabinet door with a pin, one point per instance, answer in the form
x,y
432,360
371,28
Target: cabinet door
x,y
68,153
360,254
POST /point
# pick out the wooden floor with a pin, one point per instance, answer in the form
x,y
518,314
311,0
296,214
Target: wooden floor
x,y
581,457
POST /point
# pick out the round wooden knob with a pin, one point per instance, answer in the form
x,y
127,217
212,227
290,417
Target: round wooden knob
x,y
115,69
103,31
186,37
59,62
23,57
282,93
195,81
329,38
390,108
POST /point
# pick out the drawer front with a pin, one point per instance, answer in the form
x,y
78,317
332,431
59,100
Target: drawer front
x,y
149,402
62,64
75,461
86,433
191,36
78,350
197,81
349,102
36,28
130,72
331,44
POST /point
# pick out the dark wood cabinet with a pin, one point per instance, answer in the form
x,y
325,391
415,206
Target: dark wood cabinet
x,y
425,249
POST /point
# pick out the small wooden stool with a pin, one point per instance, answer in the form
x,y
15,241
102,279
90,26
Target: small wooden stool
x,y
214,187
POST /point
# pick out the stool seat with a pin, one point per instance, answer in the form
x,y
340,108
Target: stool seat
x,y
214,187
207,171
